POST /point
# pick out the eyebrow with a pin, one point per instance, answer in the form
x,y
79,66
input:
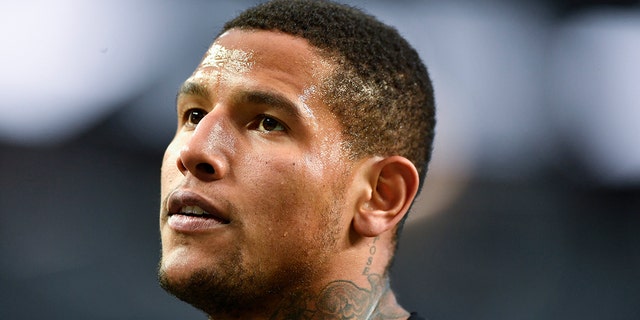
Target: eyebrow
x,y
268,98
256,97
192,89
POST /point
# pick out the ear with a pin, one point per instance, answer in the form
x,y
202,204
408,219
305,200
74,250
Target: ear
x,y
392,186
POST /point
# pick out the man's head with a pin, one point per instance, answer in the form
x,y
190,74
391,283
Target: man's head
x,y
282,167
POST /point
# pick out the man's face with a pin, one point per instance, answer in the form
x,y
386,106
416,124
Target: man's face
x,y
261,155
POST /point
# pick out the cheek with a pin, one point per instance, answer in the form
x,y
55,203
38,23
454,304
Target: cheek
x,y
291,191
169,170
274,186
324,168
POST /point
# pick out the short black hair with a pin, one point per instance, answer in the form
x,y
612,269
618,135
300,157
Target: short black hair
x,y
381,91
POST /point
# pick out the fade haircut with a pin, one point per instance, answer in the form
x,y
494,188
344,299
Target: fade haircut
x,y
380,91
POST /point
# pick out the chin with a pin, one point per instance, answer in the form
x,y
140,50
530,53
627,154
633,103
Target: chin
x,y
174,271
213,289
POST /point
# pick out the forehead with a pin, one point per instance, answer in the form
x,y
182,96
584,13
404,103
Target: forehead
x,y
258,55
284,71
241,61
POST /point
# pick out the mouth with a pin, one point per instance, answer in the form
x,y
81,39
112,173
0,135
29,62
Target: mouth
x,y
189,212
197,212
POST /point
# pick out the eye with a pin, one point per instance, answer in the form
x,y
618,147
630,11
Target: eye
x,y
268,124
192,117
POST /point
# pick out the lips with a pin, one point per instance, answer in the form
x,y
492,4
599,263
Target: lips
x,y
190,212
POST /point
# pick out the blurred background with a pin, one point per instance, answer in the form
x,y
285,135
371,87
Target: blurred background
x,y
532,206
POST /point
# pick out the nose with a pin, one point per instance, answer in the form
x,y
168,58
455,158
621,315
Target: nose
x,y
202,155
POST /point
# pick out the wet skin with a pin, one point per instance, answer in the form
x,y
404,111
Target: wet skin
x,y
258,152
257,149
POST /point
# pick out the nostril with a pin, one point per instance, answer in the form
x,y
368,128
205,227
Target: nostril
x,y
205,167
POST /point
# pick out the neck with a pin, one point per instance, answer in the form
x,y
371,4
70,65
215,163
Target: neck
x,y
341,299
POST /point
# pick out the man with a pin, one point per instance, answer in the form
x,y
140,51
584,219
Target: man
x,y
303,138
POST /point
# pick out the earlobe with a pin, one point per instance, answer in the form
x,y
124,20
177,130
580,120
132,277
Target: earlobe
x,y
393,184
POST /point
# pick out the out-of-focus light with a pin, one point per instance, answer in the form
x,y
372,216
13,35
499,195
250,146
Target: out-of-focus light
x,y
66,63
596,83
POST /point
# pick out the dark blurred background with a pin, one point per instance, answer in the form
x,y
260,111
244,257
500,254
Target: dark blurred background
x,y
531,211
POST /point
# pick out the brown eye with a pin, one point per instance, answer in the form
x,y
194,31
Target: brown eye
x,y
194,116
267,124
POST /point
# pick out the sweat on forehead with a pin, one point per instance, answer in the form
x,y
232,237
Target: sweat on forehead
x,y
240,51
242,54
232,60
266,66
